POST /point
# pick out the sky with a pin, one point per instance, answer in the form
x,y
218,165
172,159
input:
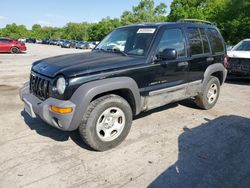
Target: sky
x,y
57,13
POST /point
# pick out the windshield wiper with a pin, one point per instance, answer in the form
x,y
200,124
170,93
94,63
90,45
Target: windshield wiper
x,y
117,51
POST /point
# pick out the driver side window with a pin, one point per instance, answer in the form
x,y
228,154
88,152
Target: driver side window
x,y
173,39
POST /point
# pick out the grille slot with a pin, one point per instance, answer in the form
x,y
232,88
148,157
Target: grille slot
x,y
39,86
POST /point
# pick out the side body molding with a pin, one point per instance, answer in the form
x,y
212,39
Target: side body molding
x,y
85,93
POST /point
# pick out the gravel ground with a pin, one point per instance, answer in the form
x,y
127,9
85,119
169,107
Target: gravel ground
x,y
177,145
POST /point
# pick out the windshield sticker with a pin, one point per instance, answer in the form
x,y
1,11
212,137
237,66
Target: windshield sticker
x,y
146,30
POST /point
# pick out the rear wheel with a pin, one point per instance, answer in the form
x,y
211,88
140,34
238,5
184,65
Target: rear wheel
x,y
14,50
106,122
208,98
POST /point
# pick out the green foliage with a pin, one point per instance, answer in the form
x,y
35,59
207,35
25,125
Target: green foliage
x,y
99,30
234,21
146,11
15,31
231,16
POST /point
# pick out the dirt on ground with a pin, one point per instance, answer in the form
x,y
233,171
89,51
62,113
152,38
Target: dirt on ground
x,y
177,145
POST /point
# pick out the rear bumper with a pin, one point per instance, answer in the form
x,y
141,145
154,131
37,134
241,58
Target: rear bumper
x,y
42,109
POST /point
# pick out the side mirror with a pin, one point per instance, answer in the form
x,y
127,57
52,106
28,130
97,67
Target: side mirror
x,y
167,54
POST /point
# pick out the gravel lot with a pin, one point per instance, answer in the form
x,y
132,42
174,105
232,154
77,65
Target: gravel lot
x,y
174,146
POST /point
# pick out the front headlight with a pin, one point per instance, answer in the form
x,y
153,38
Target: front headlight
x,y
61,85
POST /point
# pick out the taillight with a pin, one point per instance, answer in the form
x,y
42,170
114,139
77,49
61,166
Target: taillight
x,y
226,59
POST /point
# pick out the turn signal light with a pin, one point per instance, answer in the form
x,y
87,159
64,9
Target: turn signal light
x,y
61,110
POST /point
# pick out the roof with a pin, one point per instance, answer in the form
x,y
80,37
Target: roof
x,y
159,24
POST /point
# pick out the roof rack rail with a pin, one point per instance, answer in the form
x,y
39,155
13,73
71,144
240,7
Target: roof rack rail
x,y
195,21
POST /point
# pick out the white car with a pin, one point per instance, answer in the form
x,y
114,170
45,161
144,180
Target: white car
x,y
239,59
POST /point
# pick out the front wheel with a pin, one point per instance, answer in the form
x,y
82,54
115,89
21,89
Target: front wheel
x,y
208,98
106,122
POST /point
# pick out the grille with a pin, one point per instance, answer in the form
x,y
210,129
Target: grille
x,y
39,86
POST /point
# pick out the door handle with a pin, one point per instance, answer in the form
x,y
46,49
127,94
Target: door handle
x,y
182,64
210,59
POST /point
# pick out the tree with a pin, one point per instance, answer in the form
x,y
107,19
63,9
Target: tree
x,y
146,11
198,9
14,31
234,20
76,31
101,29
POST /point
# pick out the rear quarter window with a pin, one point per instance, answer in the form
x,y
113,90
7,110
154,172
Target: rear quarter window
x,y
215,40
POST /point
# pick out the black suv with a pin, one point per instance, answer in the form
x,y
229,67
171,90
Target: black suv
x,y
133,69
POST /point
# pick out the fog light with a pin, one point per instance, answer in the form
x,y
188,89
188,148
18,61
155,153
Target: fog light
x,y
61,110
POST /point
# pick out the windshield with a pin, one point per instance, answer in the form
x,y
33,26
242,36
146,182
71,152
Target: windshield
x,y
131,40
242,46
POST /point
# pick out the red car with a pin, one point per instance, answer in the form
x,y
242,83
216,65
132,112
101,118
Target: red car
x,y
11,45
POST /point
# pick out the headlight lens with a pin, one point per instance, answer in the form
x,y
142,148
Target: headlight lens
x,y
61,85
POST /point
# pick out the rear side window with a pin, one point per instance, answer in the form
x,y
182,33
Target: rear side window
x,y
4,40
195,41
215,40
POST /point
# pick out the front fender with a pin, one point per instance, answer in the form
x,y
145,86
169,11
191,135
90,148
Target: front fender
x,y
85,93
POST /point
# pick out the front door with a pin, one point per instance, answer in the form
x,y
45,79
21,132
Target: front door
x,y
4,45
171,73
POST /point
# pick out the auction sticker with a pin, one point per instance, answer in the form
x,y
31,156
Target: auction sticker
x,y
146,30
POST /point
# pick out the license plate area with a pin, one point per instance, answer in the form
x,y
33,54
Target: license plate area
x,y
28,108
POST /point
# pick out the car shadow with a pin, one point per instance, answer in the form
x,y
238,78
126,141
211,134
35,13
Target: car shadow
x,y
13,54
214,154
46,130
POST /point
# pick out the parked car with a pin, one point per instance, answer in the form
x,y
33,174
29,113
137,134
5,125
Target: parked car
x,y
100,92
53,41
239,59
22,40
39,41
229,47
89,45
11,45
45,41
30,40
80,45
66,44
60,42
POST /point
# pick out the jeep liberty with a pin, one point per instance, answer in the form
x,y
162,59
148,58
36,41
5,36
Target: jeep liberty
x,y
133,69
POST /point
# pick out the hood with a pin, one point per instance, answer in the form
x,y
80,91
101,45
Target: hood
x,y
238,54
72,65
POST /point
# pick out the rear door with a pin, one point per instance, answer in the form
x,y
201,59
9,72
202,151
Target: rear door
x,y
199,52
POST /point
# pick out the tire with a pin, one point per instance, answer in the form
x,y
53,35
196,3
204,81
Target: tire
x,y
106,122
14,50
208,98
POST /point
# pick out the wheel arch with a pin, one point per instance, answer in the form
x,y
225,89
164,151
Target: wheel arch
x,y
123,86
217,70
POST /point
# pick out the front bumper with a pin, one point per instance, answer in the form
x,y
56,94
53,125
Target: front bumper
x,y
42,109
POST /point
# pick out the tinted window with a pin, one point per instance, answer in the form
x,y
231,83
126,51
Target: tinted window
x,y
195,41
215,40
173,39
242,46
205,44
4,40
